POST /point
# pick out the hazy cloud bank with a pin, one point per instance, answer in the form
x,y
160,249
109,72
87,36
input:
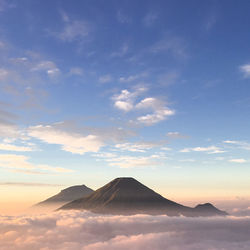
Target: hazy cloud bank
x,y
85,231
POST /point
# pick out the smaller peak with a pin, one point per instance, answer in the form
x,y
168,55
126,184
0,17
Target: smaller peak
x,y
72,188
208,205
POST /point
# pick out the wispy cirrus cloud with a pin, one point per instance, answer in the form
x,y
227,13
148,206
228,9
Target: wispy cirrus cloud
x,y
105,78
137,146
21,163
73,29
17,148
238,160
48,66
209,150
240,144
174,45
126,161
70,141
176,135
132,78
121,51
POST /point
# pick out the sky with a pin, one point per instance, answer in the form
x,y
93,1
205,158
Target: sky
x,y
94,90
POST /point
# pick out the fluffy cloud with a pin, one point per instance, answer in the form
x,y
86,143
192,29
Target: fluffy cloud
x,y
209,150
126,101
71,142
20,163
86,231
160,111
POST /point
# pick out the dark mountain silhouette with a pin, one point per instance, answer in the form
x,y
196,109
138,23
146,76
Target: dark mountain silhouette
x,y
66,195
208,209
127,196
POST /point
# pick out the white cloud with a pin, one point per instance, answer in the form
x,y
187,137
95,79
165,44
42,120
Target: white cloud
x,y
159,115
105,78
12,147
125,161
123,105
209,150
47,66
136,147
82,230
20,162
70,142
74,30
176,135
126,102
160,111
9,131
231,142
245,69
132,78
174,45
240,144
166,148
238,160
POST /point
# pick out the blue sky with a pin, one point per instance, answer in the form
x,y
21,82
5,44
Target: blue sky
x,y
157,90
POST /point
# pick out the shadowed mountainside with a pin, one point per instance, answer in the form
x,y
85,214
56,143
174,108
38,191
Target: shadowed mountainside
x,y
66,195
127,196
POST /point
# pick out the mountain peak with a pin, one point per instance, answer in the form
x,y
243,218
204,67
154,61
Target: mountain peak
x,y
66,195
124,195
208,209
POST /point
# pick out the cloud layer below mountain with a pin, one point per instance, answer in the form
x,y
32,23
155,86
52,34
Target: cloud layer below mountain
x,y
86,231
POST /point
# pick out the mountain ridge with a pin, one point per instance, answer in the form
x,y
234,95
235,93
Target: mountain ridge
x,y
126,195
66,195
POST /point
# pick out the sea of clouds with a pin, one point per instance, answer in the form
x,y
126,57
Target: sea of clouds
x,y
86,231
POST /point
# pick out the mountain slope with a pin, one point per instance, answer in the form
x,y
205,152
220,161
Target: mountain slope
x,y
127,196
66,195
